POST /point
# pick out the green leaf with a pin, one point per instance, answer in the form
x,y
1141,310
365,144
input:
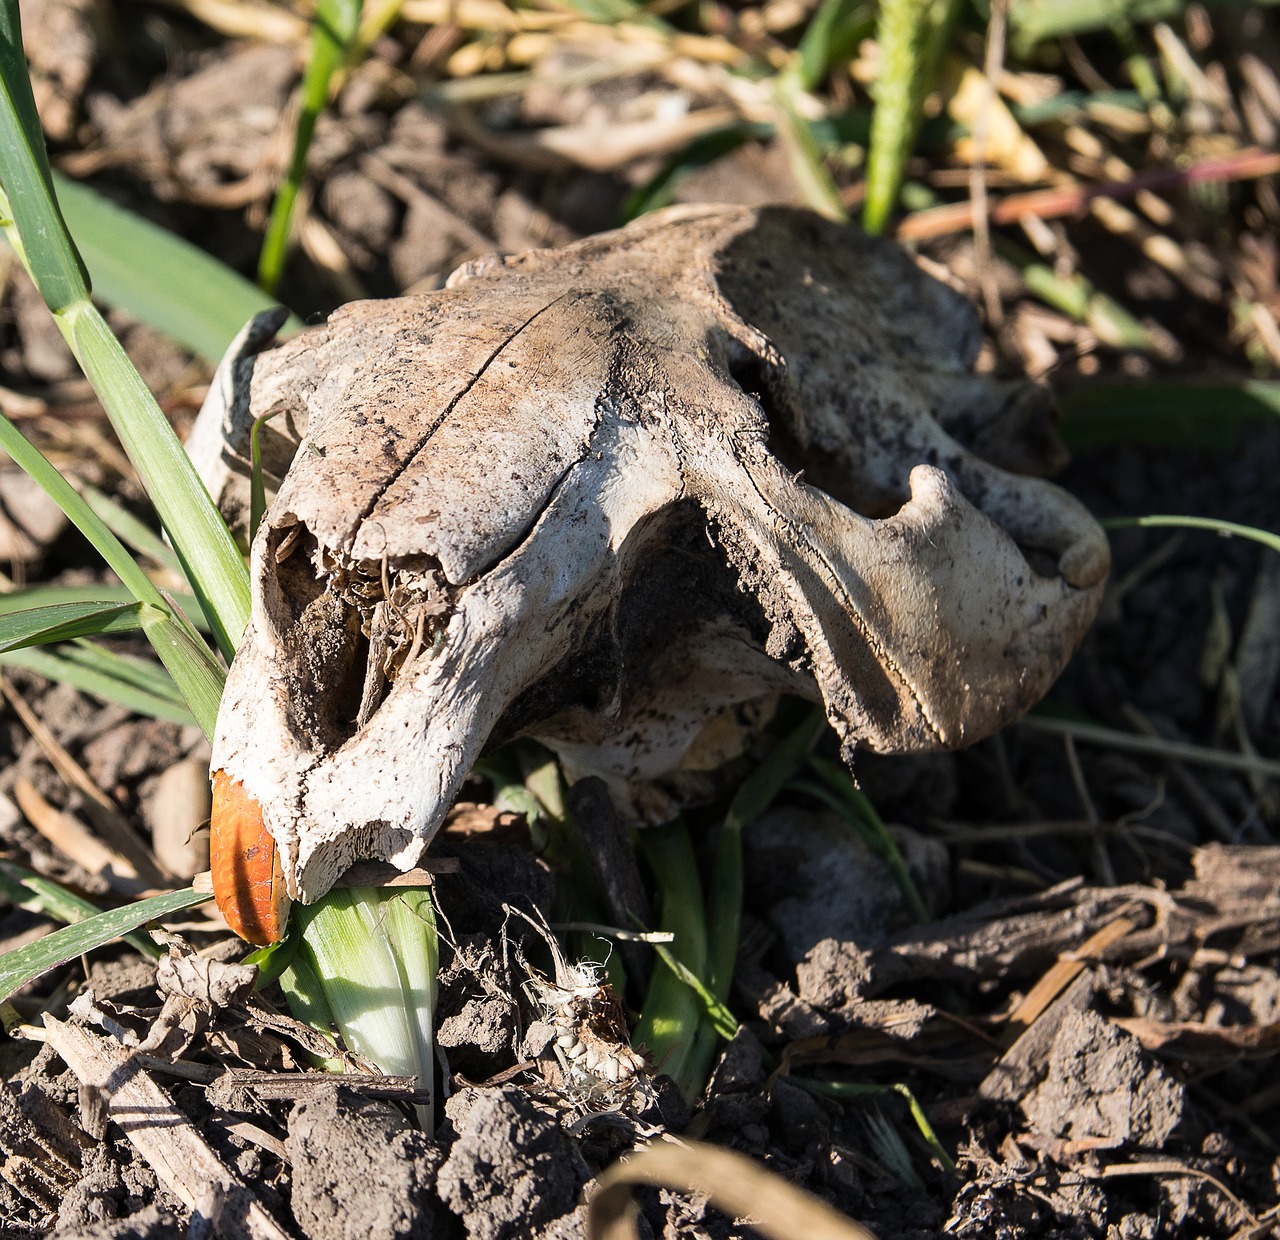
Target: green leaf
x,y
159,278
55,265
671,1016
374,955
26,963
63,621
332,33
25,887
136,684
100,593
209,556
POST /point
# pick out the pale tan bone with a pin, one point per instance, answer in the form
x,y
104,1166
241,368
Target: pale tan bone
x,y
564,497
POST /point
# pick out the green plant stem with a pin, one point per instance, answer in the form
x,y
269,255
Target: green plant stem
x,y
1215,525
752,799
911,35
672,1013
334,29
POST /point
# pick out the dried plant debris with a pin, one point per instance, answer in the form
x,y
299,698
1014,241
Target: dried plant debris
x,y
1053,1068
601,494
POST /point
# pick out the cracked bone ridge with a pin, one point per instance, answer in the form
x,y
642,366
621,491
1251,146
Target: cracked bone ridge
x,y
603,494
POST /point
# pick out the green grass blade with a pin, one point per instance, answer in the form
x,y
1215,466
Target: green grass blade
x,y
257,482
192,665
752,799
102,593
210,559
1227,529
159,278
130,530
55,265
853,805
659,190
911,35
805,158
208,553
37,626
23,887
78,512
108,676
853,1089
831,36
27,963
723,1021
334,29
1078,298
190,662
1032,21
672,1014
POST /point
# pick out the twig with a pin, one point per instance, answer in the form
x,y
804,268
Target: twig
x,y
1172,751
106,817
1245,165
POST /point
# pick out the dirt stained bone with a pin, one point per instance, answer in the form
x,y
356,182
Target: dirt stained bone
x,y
600,494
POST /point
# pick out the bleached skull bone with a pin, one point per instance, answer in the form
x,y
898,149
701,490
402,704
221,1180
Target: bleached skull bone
x,y
598,495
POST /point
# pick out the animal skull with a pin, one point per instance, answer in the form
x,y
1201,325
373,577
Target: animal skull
x,y
599,494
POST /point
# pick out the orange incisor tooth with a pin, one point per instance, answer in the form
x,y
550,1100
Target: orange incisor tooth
x,y
248,883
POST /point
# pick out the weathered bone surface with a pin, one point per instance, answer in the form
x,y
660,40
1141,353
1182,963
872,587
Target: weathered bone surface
x,y
600,494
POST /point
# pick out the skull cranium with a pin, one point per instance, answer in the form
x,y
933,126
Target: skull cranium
x,y
599,494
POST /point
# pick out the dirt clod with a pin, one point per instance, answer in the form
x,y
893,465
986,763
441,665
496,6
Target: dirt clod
x,y
510,1175
1103,1088
361,1171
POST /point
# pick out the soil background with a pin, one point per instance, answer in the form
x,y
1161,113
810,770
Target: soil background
x,y
1088,1016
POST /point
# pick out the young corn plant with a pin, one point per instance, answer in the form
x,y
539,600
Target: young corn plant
x,y
364,959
